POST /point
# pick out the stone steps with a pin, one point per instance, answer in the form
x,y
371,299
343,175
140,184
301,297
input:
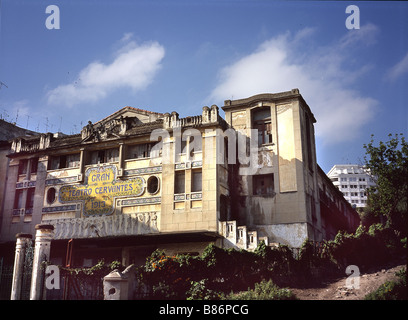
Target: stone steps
x,y
240,237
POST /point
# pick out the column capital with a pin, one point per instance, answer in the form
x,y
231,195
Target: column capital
x,y
24,235
44,227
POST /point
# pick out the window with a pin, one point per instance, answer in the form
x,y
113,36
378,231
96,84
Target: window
x,y
73,160
112,155
57,162
34,165
224,205
263,184
153,184
105,156
179,182
18,199
30,198
309,142
261,121
180,144
195,144
196,181
22,166
64,161
139,151
51,195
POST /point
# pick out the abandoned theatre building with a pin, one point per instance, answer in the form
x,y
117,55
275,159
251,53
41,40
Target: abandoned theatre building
x,y
139,180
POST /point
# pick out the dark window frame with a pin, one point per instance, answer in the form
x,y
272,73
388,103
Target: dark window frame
x,y
262,121
196,180
180,182
263,185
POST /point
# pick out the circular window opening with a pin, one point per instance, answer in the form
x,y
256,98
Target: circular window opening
x,y
51,195
153,184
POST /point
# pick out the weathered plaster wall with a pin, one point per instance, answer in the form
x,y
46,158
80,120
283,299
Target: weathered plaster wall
x,y
292,234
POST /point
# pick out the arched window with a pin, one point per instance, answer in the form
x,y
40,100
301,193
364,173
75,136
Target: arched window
x,y
51,195
153,184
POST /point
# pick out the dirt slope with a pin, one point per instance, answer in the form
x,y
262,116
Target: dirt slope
x,y
337,290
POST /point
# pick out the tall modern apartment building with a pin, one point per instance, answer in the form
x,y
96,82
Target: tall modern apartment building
x,y
352,180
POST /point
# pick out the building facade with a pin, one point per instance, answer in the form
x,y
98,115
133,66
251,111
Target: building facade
x,y
139,180
8,131
353,181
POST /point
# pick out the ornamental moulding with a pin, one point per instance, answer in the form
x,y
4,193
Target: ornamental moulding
x,y
94,227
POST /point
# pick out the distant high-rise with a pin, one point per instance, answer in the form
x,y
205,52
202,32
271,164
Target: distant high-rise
x,y
352,180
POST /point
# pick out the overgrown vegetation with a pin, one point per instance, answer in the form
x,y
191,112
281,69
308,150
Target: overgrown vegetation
x,y
231,274
228,273
264,290
391,290
387,163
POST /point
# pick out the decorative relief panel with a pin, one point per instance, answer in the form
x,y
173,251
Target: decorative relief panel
x,y
130,172
55,181
188,165
72,207
94,227
25,184
131,202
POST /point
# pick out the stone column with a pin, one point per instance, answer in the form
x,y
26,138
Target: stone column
x,y
214,113
122,156
206,115
81,174
43,236
22,241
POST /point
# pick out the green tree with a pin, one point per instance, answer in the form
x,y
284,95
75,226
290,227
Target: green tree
x,y
388,165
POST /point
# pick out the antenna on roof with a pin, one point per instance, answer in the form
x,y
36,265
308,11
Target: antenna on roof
x,y
5,115
17,115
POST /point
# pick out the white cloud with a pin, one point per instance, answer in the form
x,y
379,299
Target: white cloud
x,y
134,66
322,74
399,69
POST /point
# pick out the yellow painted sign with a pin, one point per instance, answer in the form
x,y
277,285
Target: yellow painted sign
x,y
100,190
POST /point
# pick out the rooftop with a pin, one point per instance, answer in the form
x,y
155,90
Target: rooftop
x,y
274,97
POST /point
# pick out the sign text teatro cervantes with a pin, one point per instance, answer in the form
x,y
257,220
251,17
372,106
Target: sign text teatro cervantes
x,y
100,190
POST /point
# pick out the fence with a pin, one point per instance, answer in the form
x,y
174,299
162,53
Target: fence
x,y
6,278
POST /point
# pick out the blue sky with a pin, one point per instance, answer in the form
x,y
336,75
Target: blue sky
x,y
183,55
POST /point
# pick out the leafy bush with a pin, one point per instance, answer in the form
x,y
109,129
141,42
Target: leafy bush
x,y
264,290
219,271
199,291
391,290
170,276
